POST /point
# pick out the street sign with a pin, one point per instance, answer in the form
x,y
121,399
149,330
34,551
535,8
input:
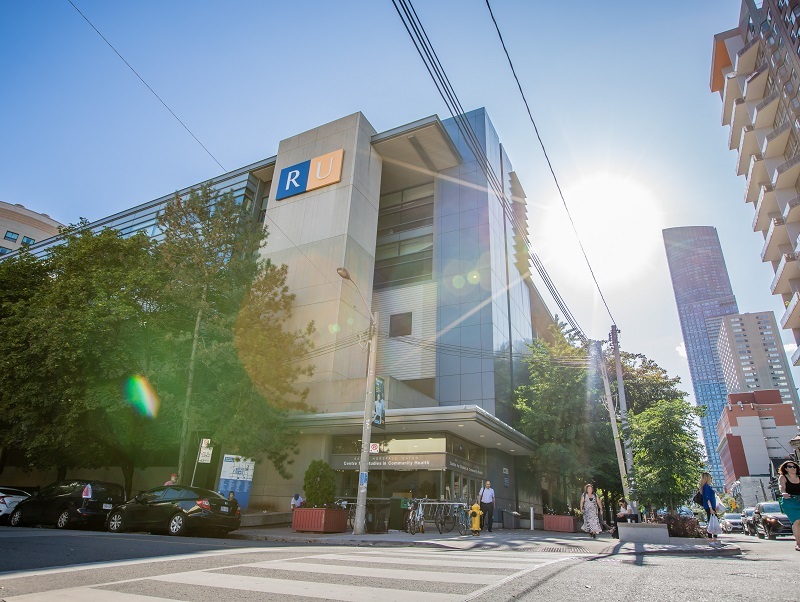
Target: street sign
x,y
374,448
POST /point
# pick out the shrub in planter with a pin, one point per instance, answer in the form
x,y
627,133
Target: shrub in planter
x,y
681,526
319,485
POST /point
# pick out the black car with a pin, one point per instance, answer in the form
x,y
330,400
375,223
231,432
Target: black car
x,y
66,503
176,509
770,521
747,521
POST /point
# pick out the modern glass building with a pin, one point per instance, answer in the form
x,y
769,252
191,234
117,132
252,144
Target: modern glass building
x,y
703,295
439,258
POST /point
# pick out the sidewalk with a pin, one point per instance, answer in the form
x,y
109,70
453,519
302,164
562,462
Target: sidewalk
x,y
500,539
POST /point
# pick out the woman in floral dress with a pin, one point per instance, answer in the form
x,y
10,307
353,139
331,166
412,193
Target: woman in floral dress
x,y
592,510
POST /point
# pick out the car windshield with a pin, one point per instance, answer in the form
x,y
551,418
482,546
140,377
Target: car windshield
x,y
749,512
733,516
773,507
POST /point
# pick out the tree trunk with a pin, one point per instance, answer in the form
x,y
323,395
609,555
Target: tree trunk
x,y
127,473
61,474
187,402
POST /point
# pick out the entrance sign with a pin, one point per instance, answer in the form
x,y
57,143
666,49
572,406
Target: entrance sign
x,y
236,475
310,175
204,457
429,461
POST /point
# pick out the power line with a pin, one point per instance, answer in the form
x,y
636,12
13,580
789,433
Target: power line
x,y
430,59
110,45
547,158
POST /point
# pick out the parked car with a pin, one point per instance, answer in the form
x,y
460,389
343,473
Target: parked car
x,y
177,510
9,498
748,527
731,522
769,521
66,503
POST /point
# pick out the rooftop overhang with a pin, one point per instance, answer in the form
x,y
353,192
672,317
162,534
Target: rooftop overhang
x,y
415,153
720,59
468,422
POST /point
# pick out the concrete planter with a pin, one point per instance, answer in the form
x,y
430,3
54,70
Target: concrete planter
x,y
319,520
643,533
560,523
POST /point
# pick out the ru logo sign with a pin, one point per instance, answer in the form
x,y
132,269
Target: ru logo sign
x,y
310,175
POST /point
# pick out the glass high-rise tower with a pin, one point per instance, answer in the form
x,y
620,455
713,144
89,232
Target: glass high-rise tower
x,y
704,295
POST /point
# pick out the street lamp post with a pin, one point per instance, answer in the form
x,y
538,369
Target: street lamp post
x,y
369,401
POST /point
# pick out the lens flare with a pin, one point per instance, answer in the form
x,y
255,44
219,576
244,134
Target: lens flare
x,y
141,395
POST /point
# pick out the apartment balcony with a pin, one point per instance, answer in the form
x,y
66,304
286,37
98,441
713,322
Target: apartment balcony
x,y
745,60
767,204
791,213
796,357
739,119
777,236
730,91
791,317
788,269
756,83
765,111
756,178
787,172
775,142
748,146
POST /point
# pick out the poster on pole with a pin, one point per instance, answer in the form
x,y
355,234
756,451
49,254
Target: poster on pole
x,y
204,455
236,475
379,411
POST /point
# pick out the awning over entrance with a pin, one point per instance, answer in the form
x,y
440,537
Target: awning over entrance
x,y
468,422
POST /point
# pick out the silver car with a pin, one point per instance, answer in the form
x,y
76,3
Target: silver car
x,y
731,523
9,498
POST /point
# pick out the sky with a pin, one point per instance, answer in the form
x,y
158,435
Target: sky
x,y
619,91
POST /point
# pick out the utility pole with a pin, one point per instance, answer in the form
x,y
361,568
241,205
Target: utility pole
x,y
623,408
612,414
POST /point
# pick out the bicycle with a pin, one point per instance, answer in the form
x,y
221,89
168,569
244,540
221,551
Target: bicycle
x,y
462,519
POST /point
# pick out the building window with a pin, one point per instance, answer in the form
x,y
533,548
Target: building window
x,y
400,325
4,250
12,236
27,240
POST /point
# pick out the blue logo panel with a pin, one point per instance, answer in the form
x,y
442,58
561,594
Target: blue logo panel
x,y
293,180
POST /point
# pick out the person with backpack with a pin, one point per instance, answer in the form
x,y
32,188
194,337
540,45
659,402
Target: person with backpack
x,y
592,511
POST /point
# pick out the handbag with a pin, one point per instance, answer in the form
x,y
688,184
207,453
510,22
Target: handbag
x,y
698,498
714,528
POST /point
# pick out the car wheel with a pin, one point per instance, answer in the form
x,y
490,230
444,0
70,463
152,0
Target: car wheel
x,y
759,534
771,535
16,518
62,522
115,524
176,524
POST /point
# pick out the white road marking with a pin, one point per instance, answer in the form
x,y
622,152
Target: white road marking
x,y
365,571
84,594
443,562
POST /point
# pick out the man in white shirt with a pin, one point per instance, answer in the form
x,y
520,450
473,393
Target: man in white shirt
x,y
486,500
297,501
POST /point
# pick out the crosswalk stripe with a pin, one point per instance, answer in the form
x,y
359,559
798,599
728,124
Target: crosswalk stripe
x,y
325,591
483,556
365,571
443,562
84,594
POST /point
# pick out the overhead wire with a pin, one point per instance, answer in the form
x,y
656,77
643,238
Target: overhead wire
x,y
424,48
549,163
136,73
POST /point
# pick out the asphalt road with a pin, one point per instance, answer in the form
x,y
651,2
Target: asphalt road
x,y
45,564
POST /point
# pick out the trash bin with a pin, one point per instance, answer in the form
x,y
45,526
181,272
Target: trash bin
x,y
510,520
378,516
397,509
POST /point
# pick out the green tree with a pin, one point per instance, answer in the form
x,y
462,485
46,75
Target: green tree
x,y
646,383
666,453
556,411
70,346
237,367
319,484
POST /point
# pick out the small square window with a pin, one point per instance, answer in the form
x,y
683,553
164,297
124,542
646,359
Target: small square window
x,y
4,250
400,325
12,236
27,240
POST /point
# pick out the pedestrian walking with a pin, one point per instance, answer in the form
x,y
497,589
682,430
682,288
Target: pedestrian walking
x,y
486,500
789,483
592,510
173,480
709,504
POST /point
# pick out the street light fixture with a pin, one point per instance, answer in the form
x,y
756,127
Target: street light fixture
x,y
369,401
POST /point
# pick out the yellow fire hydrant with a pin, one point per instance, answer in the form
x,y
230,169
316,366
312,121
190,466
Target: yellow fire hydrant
x,y
475,514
